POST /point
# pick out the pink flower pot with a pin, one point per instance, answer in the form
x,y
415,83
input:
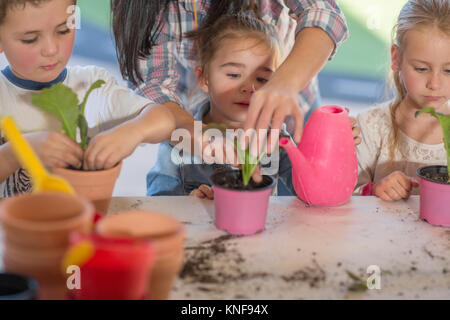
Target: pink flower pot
x,y
434,197
241,212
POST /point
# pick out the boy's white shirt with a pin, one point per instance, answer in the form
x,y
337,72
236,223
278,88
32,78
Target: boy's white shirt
x,y
107,107
373,152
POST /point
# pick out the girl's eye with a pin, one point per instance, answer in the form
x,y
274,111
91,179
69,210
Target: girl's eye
x,y
64,31
421,69
29,41
447,71
261,80
233,75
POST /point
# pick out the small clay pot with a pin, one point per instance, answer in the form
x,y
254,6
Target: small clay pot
x,y
97,186
17,287
167,236
44,220
37,228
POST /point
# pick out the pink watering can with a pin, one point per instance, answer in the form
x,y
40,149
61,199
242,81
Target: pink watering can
x,y
324,165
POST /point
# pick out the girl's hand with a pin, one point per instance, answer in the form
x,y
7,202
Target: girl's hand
x,y
203,192
395,186
55,149
356,131
108,148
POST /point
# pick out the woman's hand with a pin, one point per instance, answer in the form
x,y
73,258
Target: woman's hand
x,y
272,104
203,192
395,186
55,149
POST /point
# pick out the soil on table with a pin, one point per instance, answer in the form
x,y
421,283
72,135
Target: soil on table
x,y
217,262
233,180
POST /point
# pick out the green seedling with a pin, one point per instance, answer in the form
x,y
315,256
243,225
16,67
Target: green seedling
x,y
62,102
247,161
445,124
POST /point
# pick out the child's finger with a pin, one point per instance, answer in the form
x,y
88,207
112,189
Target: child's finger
x,y
197,193
400,189
256,176
207,191
394,193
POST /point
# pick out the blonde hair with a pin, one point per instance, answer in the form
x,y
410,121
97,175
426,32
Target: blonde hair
x,y
238,26
428,13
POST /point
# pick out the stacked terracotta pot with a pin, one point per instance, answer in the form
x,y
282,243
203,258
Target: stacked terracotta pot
x,y
167,236
36,236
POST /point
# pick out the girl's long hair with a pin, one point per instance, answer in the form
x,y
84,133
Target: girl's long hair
x,y
430,13
137,24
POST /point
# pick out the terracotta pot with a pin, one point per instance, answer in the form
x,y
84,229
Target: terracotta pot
x,y
36,235
44,220
434,197
97,186
167,236
240,212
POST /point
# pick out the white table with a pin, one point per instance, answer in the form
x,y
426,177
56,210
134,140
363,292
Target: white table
x,y
305,252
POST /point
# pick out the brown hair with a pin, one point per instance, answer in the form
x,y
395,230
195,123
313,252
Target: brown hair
x,y
137,25
430,13
237,26
6,5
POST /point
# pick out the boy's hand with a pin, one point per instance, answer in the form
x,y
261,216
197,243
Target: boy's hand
x,y
55,149
203,192
395,186
108,148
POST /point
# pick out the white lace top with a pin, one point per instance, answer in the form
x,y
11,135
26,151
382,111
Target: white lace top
x,y
373,152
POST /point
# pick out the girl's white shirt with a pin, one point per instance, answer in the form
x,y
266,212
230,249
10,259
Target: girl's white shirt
x,y
373,152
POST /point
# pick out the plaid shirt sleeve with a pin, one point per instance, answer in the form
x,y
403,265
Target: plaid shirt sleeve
x,y
160,69
324,14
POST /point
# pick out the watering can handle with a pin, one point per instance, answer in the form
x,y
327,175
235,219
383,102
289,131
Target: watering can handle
x,y
22,149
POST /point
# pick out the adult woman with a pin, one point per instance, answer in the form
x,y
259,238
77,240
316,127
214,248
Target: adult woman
x,y
159,62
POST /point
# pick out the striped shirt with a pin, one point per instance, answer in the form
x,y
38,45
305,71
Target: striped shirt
x,y
169,69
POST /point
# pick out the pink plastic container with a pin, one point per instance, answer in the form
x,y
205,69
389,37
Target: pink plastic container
x,y
434,198
118,270
324,165
240,212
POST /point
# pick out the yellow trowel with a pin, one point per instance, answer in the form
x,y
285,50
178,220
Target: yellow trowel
x,y
42,180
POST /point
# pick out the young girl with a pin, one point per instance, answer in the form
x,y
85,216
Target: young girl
x,y
37,41
238,55
396,143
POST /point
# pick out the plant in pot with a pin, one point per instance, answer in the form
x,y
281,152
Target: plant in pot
x,y
435,180
62,102
240,203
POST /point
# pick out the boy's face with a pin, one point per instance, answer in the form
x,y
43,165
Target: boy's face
x,y
238,68
36,39
425,67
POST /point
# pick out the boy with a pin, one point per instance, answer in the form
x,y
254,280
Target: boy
x,y
37,41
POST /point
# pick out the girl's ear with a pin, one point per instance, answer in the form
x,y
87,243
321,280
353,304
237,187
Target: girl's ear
x,y
395,58
202,81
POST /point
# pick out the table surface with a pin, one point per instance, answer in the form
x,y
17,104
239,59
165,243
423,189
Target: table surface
x,y
309,252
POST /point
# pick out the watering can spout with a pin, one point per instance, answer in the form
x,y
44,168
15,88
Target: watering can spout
x,y
298,160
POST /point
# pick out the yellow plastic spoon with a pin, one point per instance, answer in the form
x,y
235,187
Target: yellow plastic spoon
x,y
42,180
